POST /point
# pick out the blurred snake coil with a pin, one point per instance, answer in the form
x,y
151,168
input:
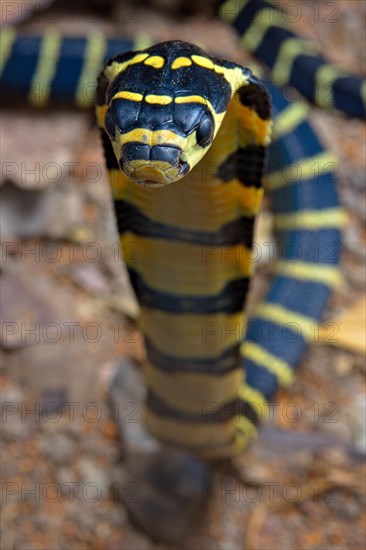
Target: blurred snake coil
x,y
210,371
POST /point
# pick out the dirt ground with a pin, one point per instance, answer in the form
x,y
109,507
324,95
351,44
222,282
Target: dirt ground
x,y
68,317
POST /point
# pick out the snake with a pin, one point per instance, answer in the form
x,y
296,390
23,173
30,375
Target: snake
x,y
191,143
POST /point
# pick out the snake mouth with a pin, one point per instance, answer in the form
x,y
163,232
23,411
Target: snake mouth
x,y
149,173
154,166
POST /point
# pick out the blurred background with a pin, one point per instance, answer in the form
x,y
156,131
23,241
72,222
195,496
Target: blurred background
x,y
68,316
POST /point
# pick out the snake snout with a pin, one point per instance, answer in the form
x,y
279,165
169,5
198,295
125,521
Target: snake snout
x,y
155,154
152,164
160,164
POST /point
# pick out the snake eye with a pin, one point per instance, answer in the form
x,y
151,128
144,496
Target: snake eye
x,y
204,131
109,126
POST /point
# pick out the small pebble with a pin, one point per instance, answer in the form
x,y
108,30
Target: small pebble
x,y
57,447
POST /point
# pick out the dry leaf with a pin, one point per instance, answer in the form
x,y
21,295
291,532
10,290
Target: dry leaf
x,y
348,330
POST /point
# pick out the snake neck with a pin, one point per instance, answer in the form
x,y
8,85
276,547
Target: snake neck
x,y
188,251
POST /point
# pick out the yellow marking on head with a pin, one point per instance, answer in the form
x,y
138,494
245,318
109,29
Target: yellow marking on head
x,y
310,167
156,137
116,68
94,55
203,101
181,62
157,171
202,61
115,146
139,163
311,219
234,76
131,96
7,38
289,119
307,271
191,99
156,61
168,137
255,352
158,99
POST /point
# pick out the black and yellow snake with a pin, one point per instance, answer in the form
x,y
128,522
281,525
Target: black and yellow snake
x,y
172,116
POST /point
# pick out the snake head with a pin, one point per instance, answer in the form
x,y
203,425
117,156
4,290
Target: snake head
x,y
164,107
153,152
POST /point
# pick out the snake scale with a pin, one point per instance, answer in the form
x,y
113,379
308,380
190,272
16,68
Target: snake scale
x,y
173,116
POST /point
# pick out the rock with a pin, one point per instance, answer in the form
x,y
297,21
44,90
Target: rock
x,y
11,392
13,427
343,364
53,397
93,475
66,367
48,157
266,248
126,399
156,481
277,442
136,541
14,423
58,447
164,493
90,277
27,213
18,315
355,415
11,16
65,477
41,521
